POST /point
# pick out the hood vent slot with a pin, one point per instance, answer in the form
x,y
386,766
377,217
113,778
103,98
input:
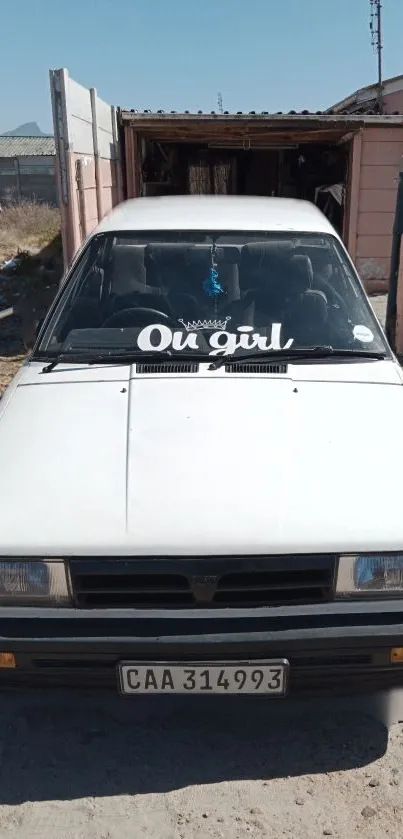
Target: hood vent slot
x,y
256,367
168,367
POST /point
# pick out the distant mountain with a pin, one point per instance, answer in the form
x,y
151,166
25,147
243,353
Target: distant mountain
x,y
28,129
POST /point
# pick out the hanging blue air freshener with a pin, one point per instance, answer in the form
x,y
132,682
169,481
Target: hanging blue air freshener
x,y
212,286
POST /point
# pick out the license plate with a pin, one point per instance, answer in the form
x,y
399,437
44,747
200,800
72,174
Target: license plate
x,y
261,677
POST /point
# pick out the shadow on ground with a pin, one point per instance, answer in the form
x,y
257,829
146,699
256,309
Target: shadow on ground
x,y
63,747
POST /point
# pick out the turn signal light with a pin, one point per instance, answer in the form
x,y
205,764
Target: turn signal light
x,y
396,655
7,660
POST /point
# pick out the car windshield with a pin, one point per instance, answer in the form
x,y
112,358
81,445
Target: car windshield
x,y
210,293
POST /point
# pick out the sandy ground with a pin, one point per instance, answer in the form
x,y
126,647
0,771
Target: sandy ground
x,y
108,768
99,767
8,369
379,306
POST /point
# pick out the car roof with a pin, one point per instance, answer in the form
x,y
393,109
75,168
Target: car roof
x,y
216,212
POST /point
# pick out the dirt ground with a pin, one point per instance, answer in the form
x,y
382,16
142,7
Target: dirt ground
x,y
91,767
379,306
8,369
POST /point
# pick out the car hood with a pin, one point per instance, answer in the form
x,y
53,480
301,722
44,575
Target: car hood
x,y
199,465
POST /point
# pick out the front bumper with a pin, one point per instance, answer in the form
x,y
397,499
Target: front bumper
x,y
334,649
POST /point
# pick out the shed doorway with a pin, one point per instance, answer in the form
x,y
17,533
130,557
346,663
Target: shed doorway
x,y
316,172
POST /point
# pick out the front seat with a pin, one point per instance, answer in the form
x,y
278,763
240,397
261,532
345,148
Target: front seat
x,y
306,310
263,283
128,286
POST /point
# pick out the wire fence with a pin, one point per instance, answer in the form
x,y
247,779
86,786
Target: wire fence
x,y
22,182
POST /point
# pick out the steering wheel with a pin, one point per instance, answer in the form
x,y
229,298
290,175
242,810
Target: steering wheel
x,y
114,319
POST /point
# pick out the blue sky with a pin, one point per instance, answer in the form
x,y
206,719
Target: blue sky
x,y
177,54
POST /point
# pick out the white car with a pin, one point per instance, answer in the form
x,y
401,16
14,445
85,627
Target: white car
x,y
190,496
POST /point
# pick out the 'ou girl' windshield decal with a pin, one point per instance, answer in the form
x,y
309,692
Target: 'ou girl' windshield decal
x,y
158,337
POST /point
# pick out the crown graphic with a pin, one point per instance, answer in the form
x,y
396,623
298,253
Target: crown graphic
x,y
195,325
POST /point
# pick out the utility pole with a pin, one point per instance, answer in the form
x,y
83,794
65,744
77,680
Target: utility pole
x,y
376,41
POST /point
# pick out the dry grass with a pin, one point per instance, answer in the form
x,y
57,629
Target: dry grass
x,y
8,369
28,227
32,230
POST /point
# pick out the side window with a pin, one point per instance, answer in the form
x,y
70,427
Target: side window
x,y
89,277
356,307
86,285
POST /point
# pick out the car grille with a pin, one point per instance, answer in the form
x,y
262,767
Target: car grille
x,y
180,583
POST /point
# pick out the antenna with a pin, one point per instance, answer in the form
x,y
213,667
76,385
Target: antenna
x,y
220,104
376,41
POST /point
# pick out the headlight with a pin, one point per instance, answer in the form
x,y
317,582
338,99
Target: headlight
x,y
370,574
33,582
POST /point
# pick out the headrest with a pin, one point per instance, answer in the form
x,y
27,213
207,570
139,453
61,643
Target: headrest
x,y
201,254
129,255
128,269
318,295
259,254
229,254
315,306
322,262
168,253
301,273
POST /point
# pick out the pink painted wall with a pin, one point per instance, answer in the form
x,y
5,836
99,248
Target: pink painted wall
x,y
109,186
381,161
86,196
85,209
88,166
393,102
86,191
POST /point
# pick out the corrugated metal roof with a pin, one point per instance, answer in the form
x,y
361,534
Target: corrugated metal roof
x,y
263,116
366,95
27,146
225,113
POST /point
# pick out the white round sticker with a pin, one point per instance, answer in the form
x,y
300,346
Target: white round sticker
x,y
363,334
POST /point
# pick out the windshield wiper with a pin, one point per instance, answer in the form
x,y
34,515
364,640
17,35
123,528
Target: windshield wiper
x,y
134,356
300,353
113,357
